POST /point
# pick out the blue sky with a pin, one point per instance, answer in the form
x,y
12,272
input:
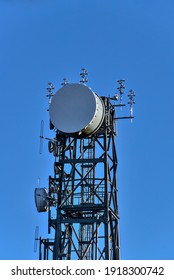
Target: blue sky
x,y
43,41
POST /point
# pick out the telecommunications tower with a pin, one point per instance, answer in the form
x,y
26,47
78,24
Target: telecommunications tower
x,y
81,198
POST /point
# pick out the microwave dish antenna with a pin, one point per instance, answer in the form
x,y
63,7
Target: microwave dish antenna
x,y
41,199
77,111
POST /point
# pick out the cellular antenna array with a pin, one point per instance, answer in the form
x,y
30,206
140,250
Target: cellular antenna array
x,y
81,198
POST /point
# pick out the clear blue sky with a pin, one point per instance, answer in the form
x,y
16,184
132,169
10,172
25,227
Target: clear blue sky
x,y
43,41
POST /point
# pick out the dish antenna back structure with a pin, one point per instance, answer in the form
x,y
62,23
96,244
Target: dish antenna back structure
x,y
81,198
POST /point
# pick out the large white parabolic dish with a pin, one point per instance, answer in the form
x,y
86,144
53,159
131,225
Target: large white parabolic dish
x,y
76,110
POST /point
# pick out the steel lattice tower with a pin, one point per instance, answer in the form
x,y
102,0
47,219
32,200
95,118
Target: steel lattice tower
x,y
81,198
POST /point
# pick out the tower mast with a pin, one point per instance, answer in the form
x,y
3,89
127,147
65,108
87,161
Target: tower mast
x,y
81,199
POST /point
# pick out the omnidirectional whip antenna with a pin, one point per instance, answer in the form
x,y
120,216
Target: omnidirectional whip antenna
x,y
36,239
38,182
41,137
83,75
121,90
131,96
50,94
65,82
